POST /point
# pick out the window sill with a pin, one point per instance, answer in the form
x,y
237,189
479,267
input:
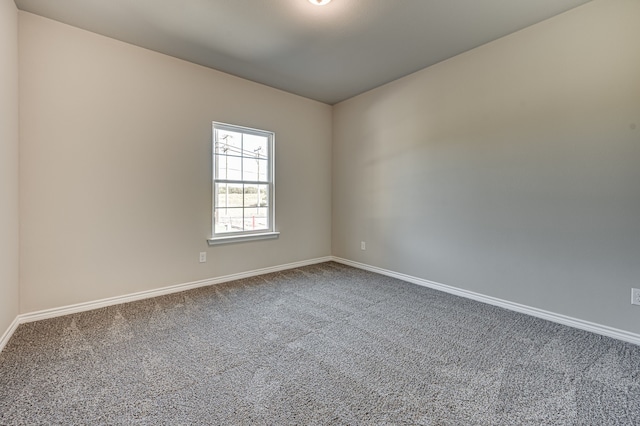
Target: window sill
x,y
242,238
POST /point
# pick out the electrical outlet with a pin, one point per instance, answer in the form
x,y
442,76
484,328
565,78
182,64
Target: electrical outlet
x,y
363,245
203,256
635,296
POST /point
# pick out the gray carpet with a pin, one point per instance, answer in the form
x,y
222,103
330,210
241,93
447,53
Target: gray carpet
x,y
324,344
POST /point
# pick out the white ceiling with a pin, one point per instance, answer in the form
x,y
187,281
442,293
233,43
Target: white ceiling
x,y
328,53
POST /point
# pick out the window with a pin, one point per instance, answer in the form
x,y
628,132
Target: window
x,y
243,187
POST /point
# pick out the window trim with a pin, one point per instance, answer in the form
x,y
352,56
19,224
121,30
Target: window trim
x,y
214,241
242,236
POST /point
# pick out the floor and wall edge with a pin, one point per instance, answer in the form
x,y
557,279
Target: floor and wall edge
x,y
528,310
96,304
512,306
9,332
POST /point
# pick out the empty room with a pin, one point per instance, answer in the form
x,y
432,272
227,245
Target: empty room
x,y
358,212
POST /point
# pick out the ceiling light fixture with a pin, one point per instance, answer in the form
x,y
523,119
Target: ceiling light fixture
x,y
319,2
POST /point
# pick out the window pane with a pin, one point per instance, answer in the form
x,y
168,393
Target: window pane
x,y
251,195
227,142
229,168
259,218
249,169
255,170
229,195
255,219
263,195
256,146
221,194
221,166
228,220
263,170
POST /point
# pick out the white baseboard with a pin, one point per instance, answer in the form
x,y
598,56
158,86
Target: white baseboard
x,y
539,313
512,306
87,306
7,334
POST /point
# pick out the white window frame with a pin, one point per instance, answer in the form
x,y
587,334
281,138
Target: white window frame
x,y
250,235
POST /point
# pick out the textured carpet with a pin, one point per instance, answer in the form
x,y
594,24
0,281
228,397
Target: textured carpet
x,y
324,344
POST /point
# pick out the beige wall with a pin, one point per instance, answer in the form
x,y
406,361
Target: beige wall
x,y
512,170
9,290
116,171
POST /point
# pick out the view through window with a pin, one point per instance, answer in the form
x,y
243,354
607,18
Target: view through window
x,y
242,180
